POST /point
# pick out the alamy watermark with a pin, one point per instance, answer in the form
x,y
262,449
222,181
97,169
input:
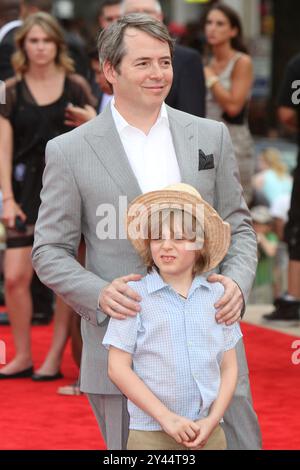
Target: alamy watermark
x,y
2,352
296,353
2,92
147,221
296,94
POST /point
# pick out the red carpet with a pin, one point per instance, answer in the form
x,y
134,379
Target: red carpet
x,y
275,383
33,416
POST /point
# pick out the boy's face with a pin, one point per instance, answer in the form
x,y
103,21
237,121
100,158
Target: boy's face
x,y
173,257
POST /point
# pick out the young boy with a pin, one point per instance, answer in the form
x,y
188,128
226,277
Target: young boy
x,y
175,364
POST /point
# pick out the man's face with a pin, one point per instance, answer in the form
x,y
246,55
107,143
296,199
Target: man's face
x,y
109,15
148,7
144,77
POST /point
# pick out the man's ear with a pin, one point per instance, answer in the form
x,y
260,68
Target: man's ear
x,y
109,72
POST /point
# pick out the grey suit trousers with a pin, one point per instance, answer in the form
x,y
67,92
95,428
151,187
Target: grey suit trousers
x,y
112,417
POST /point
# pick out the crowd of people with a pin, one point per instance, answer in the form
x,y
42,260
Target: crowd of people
x,y
156,118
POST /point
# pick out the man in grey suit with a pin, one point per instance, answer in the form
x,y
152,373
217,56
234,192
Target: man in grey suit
x,y
135,145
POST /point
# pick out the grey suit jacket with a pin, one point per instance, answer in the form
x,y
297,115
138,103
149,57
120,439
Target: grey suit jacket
x,y
88,167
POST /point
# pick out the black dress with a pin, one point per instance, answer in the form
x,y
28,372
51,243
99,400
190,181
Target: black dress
x,y
33,126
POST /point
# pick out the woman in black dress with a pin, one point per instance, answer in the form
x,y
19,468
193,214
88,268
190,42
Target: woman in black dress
x,y
34,113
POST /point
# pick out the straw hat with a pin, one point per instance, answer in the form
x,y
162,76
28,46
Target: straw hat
x,y
184,197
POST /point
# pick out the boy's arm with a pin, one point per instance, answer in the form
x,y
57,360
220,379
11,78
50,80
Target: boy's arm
x,y
120,372
229,374
269,246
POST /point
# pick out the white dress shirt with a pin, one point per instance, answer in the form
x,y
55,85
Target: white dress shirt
x,y
8,27
152,157
104,102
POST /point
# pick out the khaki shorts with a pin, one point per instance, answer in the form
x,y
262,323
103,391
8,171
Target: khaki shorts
x,y
159,440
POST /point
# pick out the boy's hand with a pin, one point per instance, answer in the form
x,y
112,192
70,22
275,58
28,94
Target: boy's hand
x,y
179,428
231,304
206,427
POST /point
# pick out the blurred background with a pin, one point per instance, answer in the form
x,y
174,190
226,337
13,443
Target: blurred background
x,y
271,29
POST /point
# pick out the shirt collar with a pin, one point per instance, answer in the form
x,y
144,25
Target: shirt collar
x,y
122,124
199,281
154,283
8,27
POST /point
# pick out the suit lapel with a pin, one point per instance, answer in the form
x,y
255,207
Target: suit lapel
x,y
106,144
185,144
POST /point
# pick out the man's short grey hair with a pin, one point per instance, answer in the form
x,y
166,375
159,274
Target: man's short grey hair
x,y
111,45
157,6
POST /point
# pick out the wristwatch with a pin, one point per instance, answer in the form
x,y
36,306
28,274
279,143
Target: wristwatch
x,y
210,82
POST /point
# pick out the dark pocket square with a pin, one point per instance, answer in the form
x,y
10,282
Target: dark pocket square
x,y
206,162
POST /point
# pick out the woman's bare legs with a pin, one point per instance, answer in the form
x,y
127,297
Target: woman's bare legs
x,y
294,279
62,323
17,279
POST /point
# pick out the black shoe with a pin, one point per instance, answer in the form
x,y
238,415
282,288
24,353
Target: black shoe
x,y
46,378
285,311
4,319
286,302
18,375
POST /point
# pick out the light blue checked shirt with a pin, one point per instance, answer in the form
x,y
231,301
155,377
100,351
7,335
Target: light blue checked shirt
x,y
176,346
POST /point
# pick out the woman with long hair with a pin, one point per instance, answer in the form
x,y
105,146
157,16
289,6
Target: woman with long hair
x,y
229,77
273,179
34,113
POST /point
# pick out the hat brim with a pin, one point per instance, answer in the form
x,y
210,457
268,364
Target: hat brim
x,y
216,231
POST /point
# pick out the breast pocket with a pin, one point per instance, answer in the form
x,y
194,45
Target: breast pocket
x,y
205,184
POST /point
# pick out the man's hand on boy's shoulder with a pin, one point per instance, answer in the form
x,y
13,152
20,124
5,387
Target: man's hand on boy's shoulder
x,y
118,300
230,305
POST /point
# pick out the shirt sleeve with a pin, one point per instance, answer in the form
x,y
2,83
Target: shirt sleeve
x,y
122,334
232,334
7,105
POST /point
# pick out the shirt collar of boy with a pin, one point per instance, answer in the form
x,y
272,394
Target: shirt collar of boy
x,y
154,283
